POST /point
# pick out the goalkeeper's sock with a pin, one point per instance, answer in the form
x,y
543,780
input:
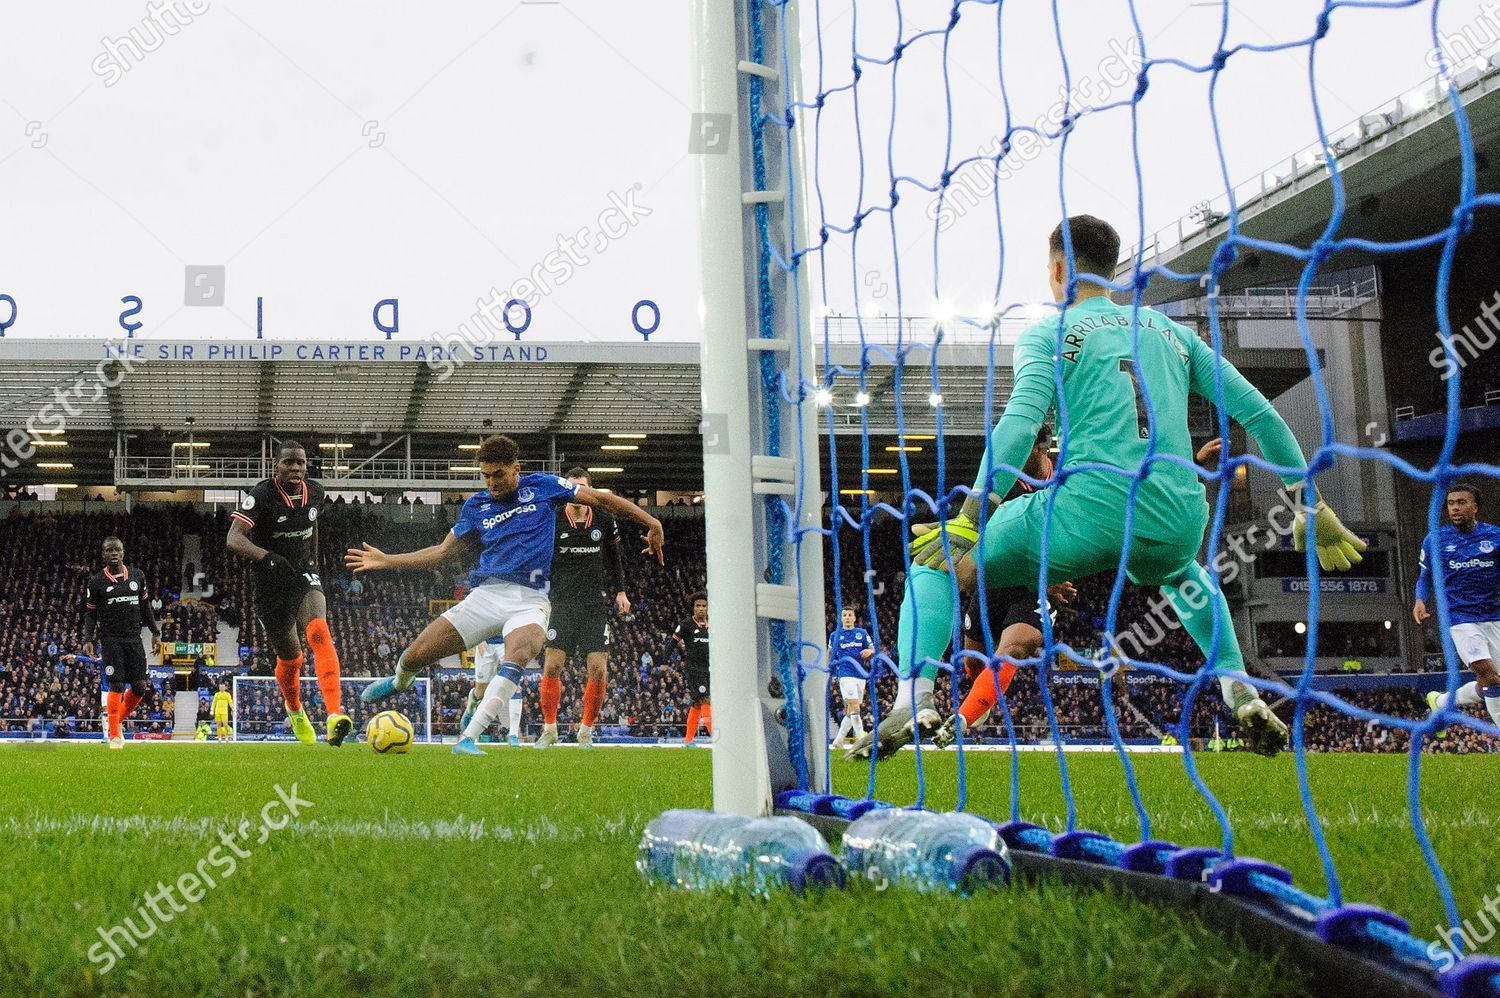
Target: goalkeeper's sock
x,y
550,692
706,715
496,695
516,705
325,665
692,723
1492,702
1466,695
289,679
983,694
1236,692
1195,587
912,690
927,616
404,679
593,699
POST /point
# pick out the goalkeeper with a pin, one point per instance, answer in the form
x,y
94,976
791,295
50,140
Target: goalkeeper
x,y
1107,425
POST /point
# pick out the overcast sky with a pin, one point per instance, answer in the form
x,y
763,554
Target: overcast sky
x,y
331,155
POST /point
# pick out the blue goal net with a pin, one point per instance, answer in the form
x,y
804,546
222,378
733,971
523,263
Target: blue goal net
x,y
931,150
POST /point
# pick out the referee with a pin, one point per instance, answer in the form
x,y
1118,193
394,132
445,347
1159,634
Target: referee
x,y
586,564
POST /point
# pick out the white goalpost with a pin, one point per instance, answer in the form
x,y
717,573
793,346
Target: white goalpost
x,y
259,714
760,451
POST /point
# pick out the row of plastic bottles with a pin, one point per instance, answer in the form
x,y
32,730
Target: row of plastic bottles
x,y
895,847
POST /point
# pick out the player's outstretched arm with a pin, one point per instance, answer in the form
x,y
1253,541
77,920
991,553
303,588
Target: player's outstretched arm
x,y
627,510
1419,610
1337,546
369,558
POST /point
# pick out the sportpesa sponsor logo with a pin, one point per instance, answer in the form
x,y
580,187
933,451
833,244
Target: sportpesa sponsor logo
x,y
490,521
1454,566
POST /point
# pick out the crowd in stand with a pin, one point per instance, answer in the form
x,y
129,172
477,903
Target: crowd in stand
x,y
374,617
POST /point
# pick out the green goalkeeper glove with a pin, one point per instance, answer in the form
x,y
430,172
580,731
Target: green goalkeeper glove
x,y
927,542
1338,547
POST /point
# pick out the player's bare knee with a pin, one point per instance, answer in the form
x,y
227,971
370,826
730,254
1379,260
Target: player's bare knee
x,y
524,644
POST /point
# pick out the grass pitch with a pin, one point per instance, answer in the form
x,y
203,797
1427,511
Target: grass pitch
x,y
435,875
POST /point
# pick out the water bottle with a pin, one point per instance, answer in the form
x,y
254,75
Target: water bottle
x,y
701,850
927,851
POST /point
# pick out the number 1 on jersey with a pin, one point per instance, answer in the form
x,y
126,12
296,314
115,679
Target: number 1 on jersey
x,y
1142,416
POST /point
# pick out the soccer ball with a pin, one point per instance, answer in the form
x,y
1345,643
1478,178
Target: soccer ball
x,y
389,732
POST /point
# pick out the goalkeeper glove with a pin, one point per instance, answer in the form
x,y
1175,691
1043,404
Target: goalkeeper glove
x,y
1338,547
927,542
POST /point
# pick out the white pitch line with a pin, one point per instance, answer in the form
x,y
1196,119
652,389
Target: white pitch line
x,y
459,828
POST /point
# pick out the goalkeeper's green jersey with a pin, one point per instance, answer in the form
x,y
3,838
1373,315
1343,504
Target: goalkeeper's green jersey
x,y
1108,422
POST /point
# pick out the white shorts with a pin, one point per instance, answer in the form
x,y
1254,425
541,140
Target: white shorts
x,y
497,608
852,687
1477,641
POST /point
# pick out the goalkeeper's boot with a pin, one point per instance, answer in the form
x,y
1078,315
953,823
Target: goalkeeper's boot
x,y
1265,734
585,736
378,690
339,726
470,706
548,737
302,727
466,746
1432,708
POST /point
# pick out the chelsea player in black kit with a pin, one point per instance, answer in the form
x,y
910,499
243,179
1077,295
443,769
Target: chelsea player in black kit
x,y
692,635
275,529
118,604
586,563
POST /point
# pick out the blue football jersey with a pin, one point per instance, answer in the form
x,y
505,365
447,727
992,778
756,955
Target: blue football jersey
x,y
1469,576
845,648
516,532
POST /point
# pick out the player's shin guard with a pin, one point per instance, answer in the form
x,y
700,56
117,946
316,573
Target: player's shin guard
x,y
129,701
325,664
692,723
289,679
985,692
496,696
516,705
706,714
113,709
1466,695
925,629
550,693
593,699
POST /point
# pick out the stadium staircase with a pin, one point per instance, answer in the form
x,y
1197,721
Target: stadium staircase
x,y
185,714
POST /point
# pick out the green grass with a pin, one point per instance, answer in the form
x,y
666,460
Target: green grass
x,y
431,874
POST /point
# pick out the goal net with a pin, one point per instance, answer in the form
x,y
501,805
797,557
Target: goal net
x,y
259,713
879,182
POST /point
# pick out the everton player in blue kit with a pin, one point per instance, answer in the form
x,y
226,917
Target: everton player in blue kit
x,y
511,524
849,648
1467,552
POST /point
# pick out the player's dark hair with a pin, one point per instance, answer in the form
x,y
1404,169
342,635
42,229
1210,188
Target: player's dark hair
x,y
1096,244
113,540
498,449
287,445
700,594
579,471
1465,487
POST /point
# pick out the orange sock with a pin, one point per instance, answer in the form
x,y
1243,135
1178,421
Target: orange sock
x,y
128,703
593,699
692,723
326,665
113,708
707,713
289,678
982,696
550,692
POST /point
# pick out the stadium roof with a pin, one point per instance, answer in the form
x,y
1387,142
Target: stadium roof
x,y
193,414
1399,166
